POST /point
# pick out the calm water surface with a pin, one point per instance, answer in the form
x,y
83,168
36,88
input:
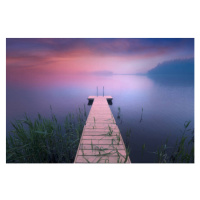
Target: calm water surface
x,y
167,103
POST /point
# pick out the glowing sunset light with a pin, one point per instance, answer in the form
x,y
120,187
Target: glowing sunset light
x,y
31,59
150,82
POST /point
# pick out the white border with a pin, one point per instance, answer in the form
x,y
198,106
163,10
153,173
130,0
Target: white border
x,y
98,19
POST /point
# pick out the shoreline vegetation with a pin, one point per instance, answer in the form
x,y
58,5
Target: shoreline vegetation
x,y
182,152
44,140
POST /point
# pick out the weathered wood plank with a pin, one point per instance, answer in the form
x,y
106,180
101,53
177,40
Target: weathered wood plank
x,y
101,140
100,159
91,125
100,146
101,152
99,137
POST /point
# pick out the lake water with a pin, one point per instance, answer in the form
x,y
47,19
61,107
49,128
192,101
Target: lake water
x,y
167,103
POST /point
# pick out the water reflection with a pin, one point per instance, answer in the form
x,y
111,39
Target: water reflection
x,y
173,80
167,104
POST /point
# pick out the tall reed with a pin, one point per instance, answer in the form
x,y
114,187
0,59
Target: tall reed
x,y
44,140
181,152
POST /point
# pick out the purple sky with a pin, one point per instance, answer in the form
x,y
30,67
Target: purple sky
x,y
34,57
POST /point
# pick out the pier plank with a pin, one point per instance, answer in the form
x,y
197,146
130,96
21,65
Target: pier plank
x,y
101,140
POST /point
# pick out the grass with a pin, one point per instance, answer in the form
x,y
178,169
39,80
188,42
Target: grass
x,y
184,148
127,139
103,154
141,116
110,132
119,112
44,140
181,152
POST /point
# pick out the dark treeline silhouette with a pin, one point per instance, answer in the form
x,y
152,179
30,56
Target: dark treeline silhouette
x,y
174,73
179,67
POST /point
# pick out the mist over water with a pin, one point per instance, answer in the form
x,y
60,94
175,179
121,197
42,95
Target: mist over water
x,y
167,102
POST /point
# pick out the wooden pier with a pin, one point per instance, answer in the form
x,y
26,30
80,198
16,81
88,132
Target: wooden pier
x,y
101,140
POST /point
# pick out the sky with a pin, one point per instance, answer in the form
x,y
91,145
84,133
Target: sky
x,y
43,57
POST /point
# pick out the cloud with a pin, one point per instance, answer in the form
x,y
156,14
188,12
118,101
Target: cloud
x,y
123,55
98,46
